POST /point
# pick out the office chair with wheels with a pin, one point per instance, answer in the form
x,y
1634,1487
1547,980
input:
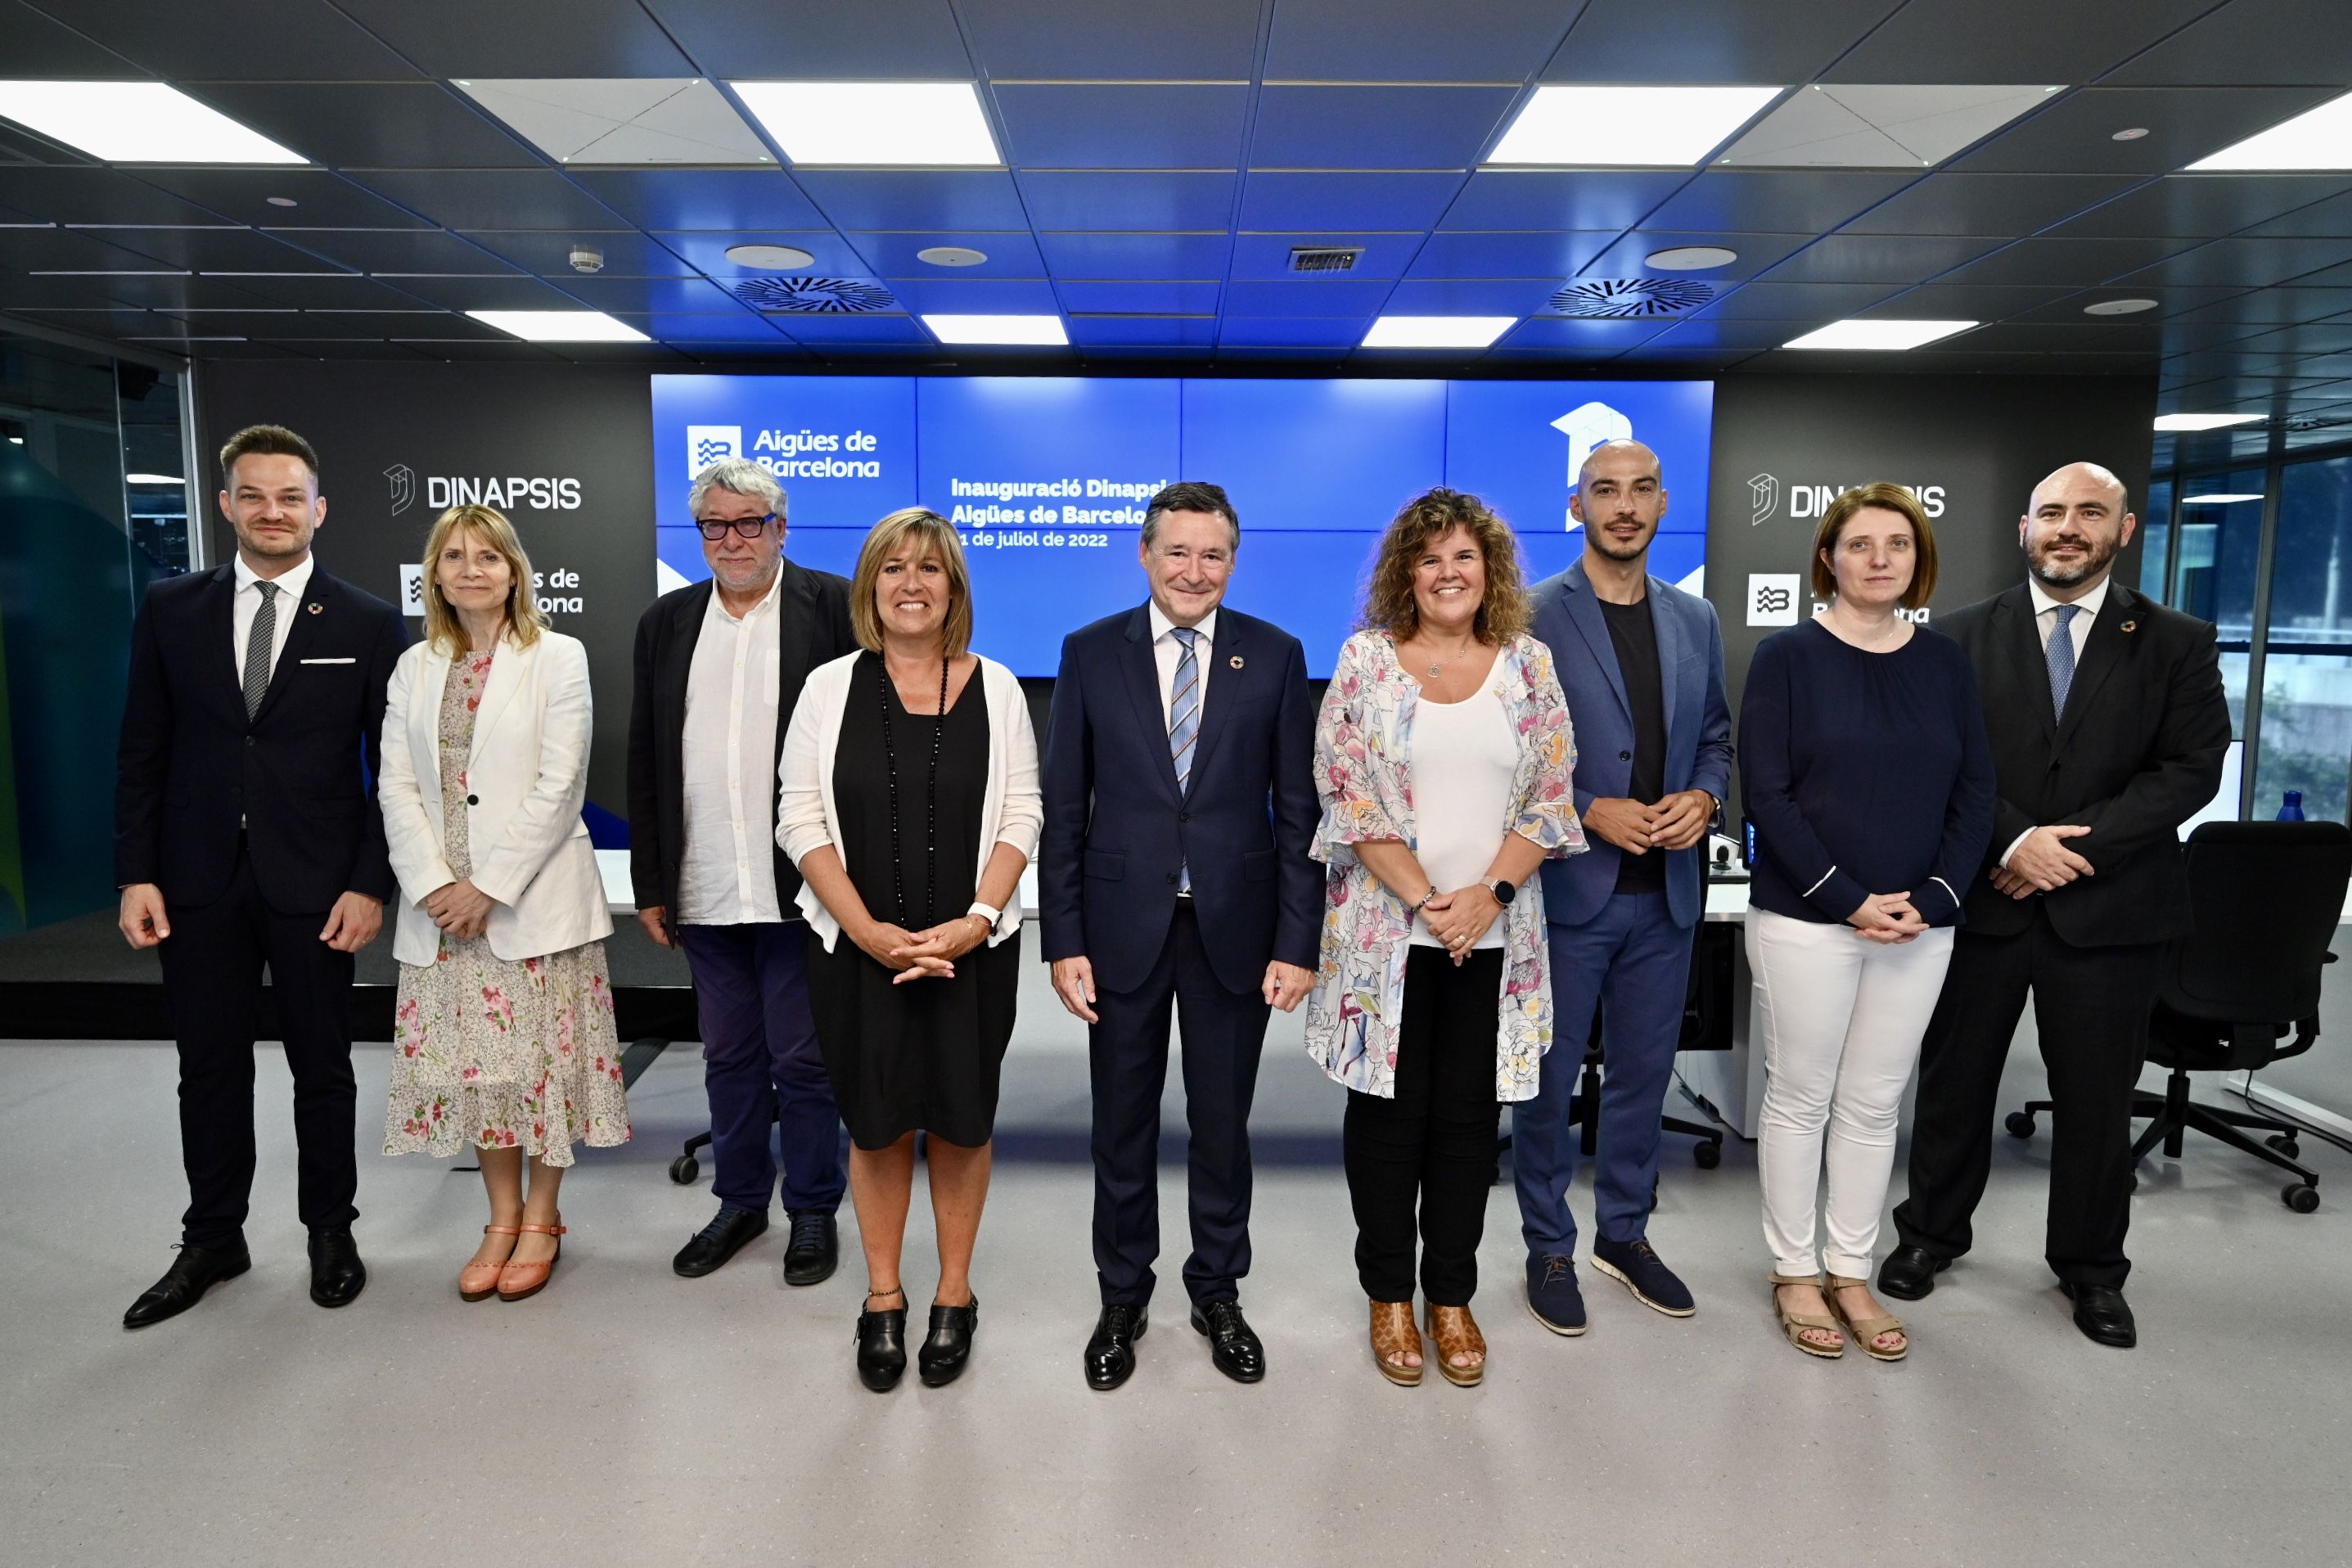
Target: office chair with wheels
x,y
2243,992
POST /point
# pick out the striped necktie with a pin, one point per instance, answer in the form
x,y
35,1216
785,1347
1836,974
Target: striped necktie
x,y
1184,721
2062,660
259,640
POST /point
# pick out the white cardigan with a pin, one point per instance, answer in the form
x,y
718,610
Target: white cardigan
x,y
526,779
1011,809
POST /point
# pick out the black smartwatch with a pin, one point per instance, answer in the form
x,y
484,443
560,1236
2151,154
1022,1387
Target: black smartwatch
x,y
1504,891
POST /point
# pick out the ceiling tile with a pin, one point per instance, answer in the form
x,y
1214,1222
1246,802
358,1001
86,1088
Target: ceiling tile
x,y
2331,217
1292,331
1123,125
400,251
1352,127
321,291
1267,256
1084,40
21,292
1862,126
1812,303
2082,262
322,200
1710,41
1410,40
1132,297
976,296
275,325
907,198
1472,253
1998,301
1548,199
2009,206
1756,201
706,250
1010,252
1724,340
1562,335
2075,135
2323,338
1096,255
513,293
735,326
702,198
218,250
451,38
595,120
826,330
1307,297
1979,40
223,40
2205,207
1628,256
2249,262
38,49
642,295
417,326
1177,331
1880,257
490,198
74,250
2253,42
548,252
102,322
1161,200
818,40
1337,201
69,194
375,125
1471,296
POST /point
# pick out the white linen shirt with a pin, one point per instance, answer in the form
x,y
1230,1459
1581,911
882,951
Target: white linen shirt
x,y
727,875
2045,623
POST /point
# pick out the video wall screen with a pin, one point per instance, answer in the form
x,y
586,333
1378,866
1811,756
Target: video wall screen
x,y
1047,477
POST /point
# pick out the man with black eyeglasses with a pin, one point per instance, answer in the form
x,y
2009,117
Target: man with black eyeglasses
x,y
719,666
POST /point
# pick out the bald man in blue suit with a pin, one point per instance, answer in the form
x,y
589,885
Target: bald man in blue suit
x,y
1642,664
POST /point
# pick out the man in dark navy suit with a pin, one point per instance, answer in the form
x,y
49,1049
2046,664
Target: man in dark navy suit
x,y
1174,873
247,833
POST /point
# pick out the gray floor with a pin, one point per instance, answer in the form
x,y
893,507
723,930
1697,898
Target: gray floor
x,y
628,1416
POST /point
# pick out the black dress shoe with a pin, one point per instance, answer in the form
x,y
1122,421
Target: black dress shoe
x,y
949,1344
196,1270
2103,1314
1909,1272
337,1275
717,1242
1110,1352
882,1348
815,1250
1232,1344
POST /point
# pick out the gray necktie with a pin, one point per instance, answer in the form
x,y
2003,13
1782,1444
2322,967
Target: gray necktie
x,y
258,640
2062,660
1184,721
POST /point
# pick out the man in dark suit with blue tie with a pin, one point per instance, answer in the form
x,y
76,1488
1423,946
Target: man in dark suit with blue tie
x,y
1173,874
1642,664
247,833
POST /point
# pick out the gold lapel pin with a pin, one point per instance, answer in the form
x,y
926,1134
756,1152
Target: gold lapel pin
x,y
1236,661
314,609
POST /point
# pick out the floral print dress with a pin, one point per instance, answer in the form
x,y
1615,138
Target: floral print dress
x,y
491,1053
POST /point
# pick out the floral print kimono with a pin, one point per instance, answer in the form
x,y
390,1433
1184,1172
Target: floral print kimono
x,y
1363,751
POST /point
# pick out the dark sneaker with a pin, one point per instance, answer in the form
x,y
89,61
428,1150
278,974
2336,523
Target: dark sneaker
x,y
1633,1265
1552,1295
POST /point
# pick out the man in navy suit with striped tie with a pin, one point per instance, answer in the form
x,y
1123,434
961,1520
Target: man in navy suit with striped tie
x,y
1173,875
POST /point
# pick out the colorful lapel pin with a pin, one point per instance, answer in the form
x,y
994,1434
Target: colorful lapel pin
x,y
314,609
1236,661
2129,627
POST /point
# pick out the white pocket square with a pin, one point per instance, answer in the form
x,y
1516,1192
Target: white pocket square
x,y
331,661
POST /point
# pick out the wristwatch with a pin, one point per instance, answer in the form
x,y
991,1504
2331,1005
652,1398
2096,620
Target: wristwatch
x,y
1504,891
988,912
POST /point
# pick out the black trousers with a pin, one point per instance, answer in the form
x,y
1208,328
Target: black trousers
x,y
213,964
1436,1141
1222,1035
2090,1008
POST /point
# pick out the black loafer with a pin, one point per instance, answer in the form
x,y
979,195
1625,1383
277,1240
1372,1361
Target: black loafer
x,y
2103,1315
814,1249
1110,1350
1232,1344
882,1348
949,1344
1909,1272
337,1275
717,1242
196,1270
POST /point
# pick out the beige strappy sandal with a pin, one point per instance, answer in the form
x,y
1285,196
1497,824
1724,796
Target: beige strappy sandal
x,y
1865,1331
1795,1324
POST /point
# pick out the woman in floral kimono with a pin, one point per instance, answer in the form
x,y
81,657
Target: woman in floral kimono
x,y
1443,757
503,1034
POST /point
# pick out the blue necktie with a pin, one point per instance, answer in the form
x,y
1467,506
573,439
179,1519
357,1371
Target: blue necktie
x,y
2062,660
1184,722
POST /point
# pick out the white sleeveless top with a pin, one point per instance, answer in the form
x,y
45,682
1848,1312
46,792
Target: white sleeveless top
x,y
1463,756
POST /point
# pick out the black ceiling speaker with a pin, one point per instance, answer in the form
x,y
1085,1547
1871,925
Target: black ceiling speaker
x,y
1622,298
813,296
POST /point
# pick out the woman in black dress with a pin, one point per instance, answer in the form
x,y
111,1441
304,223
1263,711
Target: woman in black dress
x,y
908,798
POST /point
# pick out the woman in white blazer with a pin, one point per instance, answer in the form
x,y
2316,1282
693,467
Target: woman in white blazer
x,y
503,1040
907,796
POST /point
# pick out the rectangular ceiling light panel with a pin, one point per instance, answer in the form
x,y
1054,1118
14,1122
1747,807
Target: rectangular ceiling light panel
x,y
1877,335
1019,331
135,122
561,326
1845,126
1437,332
874,124
2316,139
1619,127
2204,421
670,120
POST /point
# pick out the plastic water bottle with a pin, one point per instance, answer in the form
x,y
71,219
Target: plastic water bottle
x,y
2291,809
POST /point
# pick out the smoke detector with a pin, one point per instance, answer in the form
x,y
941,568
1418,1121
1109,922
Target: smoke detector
x,y
586,259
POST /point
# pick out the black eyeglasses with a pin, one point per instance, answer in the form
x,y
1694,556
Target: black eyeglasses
x,y
749,527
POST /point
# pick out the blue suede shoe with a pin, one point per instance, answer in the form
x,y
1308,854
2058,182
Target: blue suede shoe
x,y
1640,1271
1552,1295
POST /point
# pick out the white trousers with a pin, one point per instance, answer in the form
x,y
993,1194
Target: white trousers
x,y
1841,1017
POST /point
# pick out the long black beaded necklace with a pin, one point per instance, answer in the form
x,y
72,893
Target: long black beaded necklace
x,y
930,792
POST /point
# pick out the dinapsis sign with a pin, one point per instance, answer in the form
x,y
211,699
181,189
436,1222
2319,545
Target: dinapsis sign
x,y
507,492
1767,497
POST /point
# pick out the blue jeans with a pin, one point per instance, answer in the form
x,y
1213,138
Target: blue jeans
x,y
761,1066
1635,960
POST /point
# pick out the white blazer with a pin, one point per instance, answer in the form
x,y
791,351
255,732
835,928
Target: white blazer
x,y
526,779
1012,808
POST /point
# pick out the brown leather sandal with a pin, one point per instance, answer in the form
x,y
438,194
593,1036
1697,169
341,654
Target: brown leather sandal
x,y
1795,1324
479,1281
1456,1333
1865,1331
517,1280
1393,1335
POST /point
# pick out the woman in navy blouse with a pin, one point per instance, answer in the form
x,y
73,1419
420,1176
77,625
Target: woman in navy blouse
x,y
1867,774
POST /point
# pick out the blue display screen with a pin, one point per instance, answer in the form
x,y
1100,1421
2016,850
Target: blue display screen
x,y
1047,477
